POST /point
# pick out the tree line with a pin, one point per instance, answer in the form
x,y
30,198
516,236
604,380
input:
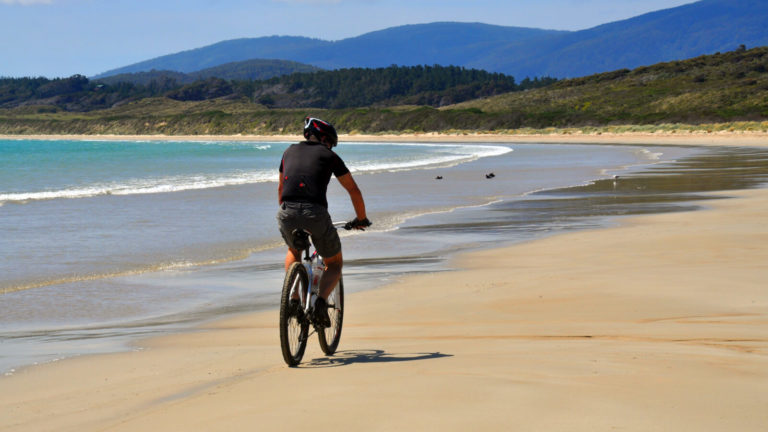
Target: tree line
x,y
345,88
395,85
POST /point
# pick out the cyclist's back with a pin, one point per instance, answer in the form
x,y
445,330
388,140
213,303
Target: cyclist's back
x,y
306,169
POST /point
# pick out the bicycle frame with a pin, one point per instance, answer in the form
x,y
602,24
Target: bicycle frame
x,y
313,285
306,298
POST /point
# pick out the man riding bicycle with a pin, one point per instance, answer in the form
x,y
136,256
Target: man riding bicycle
x,y
305,171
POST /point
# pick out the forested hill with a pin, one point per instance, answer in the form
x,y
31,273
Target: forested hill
x,y
417,85
248,70
690,30
424,85
229,51
714,88
725,87
702,27
410,45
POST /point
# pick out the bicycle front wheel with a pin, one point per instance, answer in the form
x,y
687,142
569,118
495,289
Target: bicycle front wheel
x,y
330,336
294,325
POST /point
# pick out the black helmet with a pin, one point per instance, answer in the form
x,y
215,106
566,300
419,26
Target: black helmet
x,y
320,129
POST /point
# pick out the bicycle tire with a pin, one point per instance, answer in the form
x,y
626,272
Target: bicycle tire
x,y
330,336
294,326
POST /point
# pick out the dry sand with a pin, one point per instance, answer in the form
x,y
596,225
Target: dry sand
x,y
658,325
754,139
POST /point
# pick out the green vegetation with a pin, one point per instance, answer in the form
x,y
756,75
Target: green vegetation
x,y
345,88
722,91
717,88
75,93
416,85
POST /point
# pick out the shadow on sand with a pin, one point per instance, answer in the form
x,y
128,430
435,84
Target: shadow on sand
x,y
344,358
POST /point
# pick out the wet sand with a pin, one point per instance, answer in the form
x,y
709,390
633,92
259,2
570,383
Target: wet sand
x,y
658,324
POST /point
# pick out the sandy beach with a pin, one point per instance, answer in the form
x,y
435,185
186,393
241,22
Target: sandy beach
x,y
660,324
752,139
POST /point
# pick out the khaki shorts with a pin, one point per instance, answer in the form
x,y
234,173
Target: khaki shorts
x,y
313,218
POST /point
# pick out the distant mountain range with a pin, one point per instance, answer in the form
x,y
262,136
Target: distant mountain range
x,y
703,27
439,43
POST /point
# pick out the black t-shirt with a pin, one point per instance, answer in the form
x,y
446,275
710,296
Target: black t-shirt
x,y
306,169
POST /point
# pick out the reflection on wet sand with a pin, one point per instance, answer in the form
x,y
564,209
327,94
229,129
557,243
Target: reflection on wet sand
x,y
660,188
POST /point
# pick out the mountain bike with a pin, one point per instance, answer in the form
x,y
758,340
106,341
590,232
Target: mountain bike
x,y
302,281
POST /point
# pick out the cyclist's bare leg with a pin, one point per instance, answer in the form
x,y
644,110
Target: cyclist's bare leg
x,y
331,275
291,257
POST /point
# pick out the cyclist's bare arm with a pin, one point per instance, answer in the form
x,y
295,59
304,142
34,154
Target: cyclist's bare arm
x,y
354,194
280,189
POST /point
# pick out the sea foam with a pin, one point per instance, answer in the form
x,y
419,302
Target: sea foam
x,y
427,156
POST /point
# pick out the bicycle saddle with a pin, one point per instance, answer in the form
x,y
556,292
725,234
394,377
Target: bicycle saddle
x,y
300,239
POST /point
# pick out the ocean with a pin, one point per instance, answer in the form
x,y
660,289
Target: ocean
x,y
105,242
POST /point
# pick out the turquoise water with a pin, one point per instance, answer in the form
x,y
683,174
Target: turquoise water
x,y
78,210
40,170
107,240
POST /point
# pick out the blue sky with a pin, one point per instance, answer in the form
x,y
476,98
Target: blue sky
x,y
57,38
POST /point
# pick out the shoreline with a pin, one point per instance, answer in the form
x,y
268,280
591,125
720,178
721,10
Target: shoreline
x,y
581,331
559,322
750,139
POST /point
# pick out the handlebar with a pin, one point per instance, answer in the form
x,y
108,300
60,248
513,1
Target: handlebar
x,y
354,224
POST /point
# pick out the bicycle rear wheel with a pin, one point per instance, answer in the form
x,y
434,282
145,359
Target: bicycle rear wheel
x,y
294,326
330,336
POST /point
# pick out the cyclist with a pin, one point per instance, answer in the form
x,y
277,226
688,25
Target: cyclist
x,y
305,171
